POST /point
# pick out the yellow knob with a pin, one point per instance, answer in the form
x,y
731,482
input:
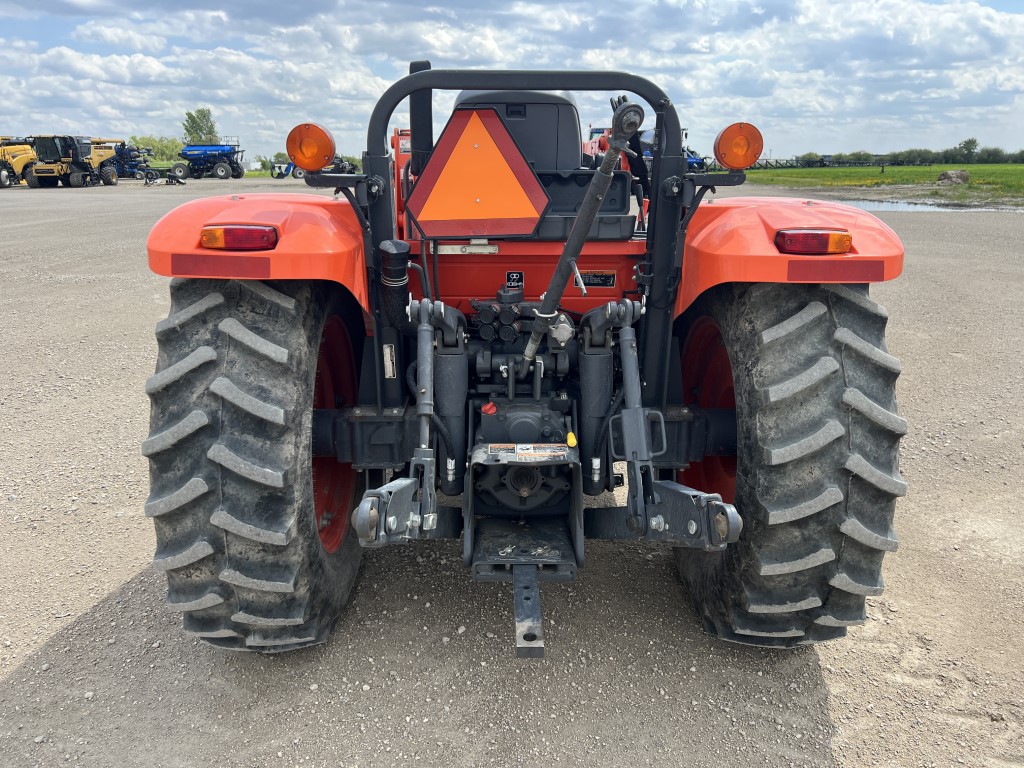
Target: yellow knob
x,y
571,440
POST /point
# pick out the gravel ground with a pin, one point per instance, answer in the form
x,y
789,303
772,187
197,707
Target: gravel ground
x,y
95,672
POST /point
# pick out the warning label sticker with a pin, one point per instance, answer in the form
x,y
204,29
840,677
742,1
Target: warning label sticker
x,y
529,451
596,279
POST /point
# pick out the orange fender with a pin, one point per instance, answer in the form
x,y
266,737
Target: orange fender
x,y
319,238
732,240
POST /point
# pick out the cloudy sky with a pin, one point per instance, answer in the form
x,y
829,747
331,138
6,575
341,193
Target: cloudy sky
x,y
814,75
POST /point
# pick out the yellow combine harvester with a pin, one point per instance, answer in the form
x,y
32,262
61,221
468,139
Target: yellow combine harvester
x,y
74,161
15,155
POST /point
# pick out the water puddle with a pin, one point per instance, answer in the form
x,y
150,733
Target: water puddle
x,y
888,205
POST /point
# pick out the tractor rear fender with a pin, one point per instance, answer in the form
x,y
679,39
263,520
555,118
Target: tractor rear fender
x,y
319,238
732,240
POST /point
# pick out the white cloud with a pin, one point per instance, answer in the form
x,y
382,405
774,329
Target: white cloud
x,y
887,74
105,34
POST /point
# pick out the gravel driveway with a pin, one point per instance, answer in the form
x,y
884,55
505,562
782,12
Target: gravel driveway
x,y
95,672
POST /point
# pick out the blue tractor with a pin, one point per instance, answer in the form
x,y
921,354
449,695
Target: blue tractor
x,y
221,161
694,162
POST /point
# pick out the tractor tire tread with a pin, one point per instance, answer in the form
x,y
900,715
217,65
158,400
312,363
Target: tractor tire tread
x,y
175,321
163,379
231,393
819,372
819,433
271,295
231,505
166,559
830,431
174,434
175,500
254,341
250,470
280,536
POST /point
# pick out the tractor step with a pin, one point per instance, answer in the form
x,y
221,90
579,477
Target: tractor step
x,y
525,553
500,545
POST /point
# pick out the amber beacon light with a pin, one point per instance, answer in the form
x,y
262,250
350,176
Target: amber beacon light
x,y
310,146
738,146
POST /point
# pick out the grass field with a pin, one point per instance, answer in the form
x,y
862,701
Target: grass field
x,y
987,181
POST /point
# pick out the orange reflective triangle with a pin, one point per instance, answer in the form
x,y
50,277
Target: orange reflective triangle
x,y
477,182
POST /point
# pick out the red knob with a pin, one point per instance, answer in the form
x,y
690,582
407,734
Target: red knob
x,y
489,409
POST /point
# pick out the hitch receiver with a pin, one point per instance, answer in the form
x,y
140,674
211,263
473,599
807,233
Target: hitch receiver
x,y
529,624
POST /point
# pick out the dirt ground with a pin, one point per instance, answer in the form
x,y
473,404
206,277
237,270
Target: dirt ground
x,y
94,671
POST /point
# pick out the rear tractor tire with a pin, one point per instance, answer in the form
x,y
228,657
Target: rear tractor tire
x,y
253,533
31,179
108,175
76,180
816,474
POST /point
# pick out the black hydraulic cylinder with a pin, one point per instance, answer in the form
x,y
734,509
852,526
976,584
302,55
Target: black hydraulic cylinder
x,y
425,372
596,372
451,386
393,290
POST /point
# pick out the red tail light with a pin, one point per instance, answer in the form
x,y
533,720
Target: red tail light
x,y
813,242
239,238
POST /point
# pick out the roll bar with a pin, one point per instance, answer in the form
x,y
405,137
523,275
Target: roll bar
x,y
522,80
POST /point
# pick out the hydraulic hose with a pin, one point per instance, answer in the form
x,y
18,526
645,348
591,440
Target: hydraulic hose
x,y
626,121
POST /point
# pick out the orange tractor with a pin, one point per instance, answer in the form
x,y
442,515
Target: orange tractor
x,y
480,318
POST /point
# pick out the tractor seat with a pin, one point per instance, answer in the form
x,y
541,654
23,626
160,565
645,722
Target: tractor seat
x,y
546,127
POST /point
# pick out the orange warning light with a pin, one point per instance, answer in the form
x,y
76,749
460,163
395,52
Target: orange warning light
x,y
310,146
477,183
738,146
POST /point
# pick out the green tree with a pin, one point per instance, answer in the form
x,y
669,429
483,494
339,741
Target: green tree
x,y
968,148
860,156
165,148
809,159
992,155
264,161
281,157
200,127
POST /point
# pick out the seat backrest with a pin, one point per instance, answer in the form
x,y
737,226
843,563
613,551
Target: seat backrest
x,y
545,125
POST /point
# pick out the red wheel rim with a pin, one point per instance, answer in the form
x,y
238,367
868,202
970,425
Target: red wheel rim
x,y
708,383
335,386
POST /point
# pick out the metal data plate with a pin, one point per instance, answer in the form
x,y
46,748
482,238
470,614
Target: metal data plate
x,y
473,247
